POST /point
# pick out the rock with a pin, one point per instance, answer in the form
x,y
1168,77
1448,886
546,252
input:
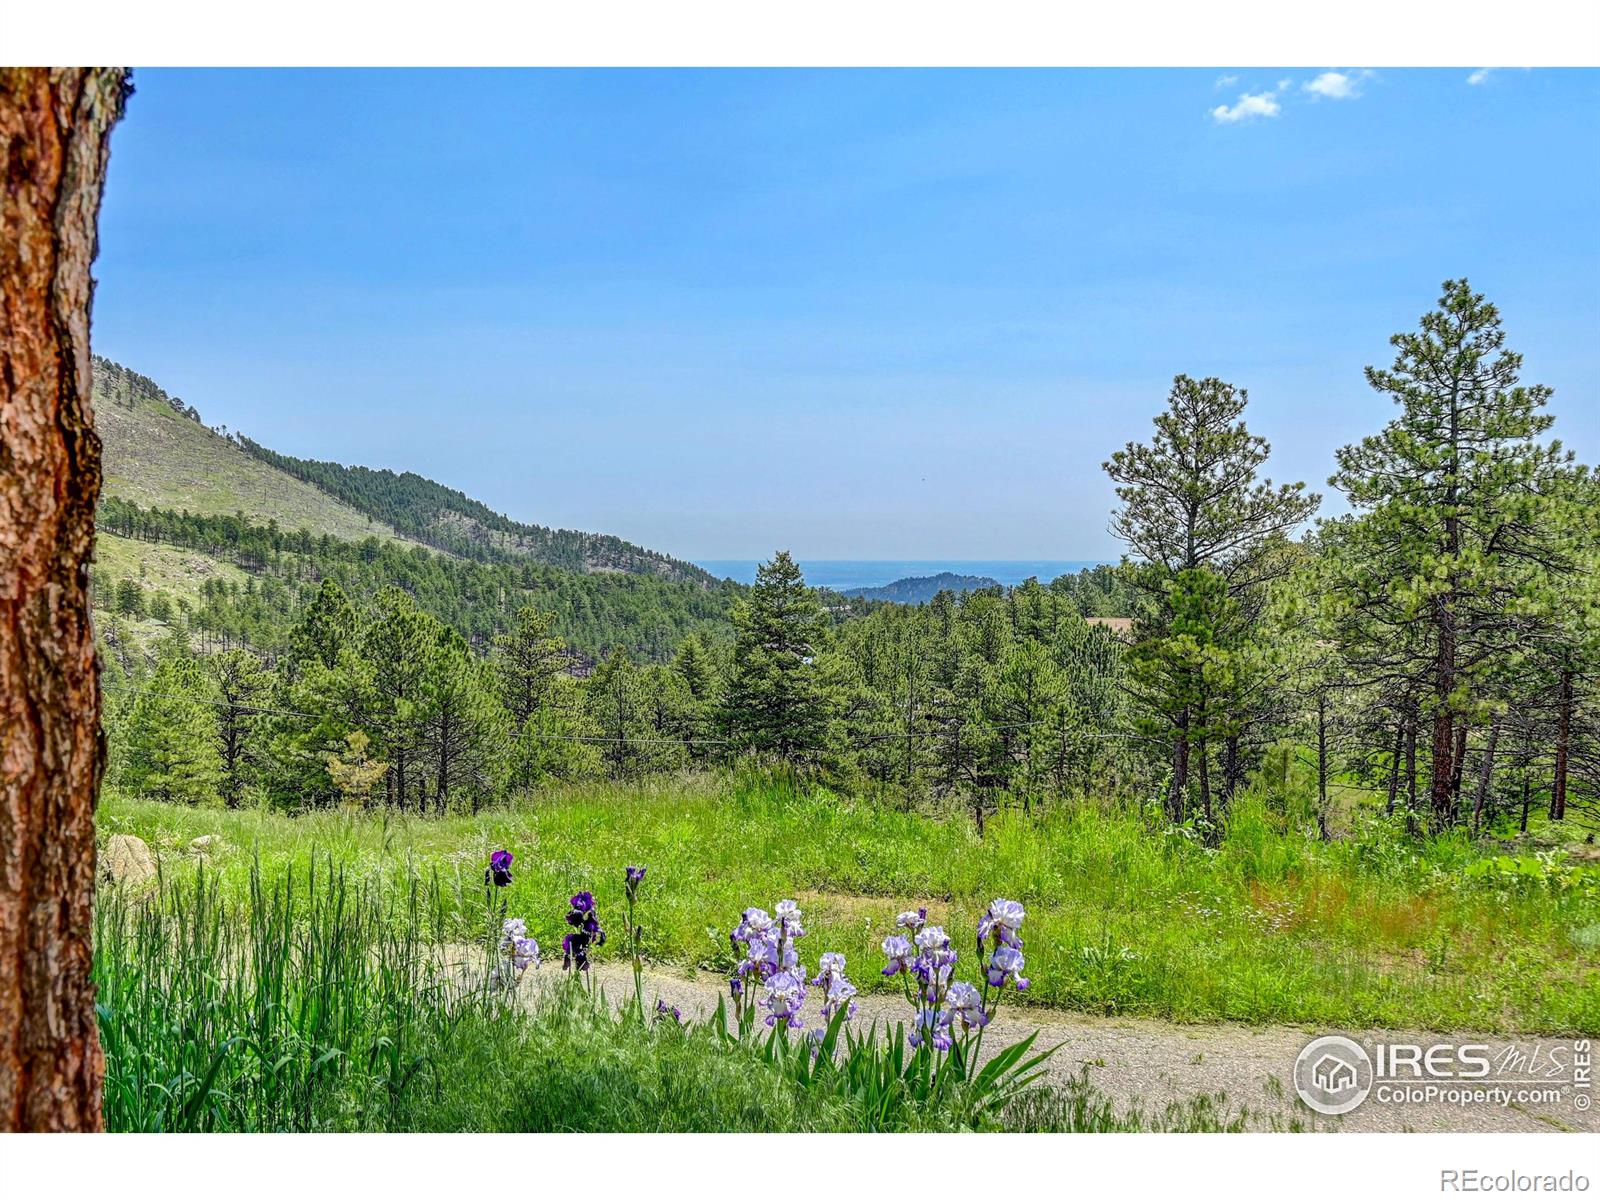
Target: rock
x,y
127,860
207,843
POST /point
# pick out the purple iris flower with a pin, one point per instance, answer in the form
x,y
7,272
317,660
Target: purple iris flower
x,y
1003,920
933,1027
634,877
586,931
786,994
1006,965
499,872
899,952
665,1011
966,1004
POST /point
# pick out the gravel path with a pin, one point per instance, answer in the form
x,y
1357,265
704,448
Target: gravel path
x,y
1153,1063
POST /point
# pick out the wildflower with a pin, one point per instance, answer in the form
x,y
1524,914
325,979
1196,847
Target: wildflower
x,y
752,921
663,1012
511,929
499,872
932,1027
933,969
932,938
829,967
524,953
836,988
736,988
634,877
913,921
786,994
1003,920
586,932
966,1003
1005,965
899,952
788,913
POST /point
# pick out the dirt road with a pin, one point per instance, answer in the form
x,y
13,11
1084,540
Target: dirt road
x,y
1153,1063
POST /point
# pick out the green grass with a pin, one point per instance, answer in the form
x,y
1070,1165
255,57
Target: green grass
x,y
1268,927
156,457
171,569
312,1003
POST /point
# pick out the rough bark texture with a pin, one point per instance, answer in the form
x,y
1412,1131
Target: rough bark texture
x,y
54,131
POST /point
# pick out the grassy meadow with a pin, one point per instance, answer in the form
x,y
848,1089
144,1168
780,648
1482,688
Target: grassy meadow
x,y
1267,927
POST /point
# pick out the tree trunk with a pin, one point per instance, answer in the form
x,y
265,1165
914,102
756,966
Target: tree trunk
x,y
1322,763
55,128
1558,793
1205,784
1458,771
1394,767
1230,769
1485,771
1411,774
1443,768
1179,788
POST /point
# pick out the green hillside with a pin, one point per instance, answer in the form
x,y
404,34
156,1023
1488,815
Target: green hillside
x,y
452,521
159,454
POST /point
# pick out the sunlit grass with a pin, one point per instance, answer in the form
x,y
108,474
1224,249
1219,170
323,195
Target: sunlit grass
x,y
1269,926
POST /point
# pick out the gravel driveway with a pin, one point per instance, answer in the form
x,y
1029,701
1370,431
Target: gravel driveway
x,y
1153,1063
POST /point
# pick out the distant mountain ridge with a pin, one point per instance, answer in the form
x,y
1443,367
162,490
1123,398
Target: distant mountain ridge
x,y
160,453
921,589
451,520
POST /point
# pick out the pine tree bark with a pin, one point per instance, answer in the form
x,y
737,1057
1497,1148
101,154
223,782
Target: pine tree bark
x,y
1394,766
55,127
1178,789
1485,776
1558,792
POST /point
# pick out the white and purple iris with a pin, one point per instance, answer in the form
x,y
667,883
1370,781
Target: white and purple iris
x,y
899,952
932,1027
836,988
966,1005
1002,920
940,1000
786,995
518,952
1005,965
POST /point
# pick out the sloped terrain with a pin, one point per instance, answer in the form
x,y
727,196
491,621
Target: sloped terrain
x,y
158,454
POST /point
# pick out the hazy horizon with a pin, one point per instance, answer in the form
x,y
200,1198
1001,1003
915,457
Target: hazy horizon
x,y
858,315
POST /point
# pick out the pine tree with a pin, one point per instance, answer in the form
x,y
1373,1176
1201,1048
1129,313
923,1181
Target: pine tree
x,y
775,702
170,741
463,731
616,705
243,687
1448,534
397,641
1190,501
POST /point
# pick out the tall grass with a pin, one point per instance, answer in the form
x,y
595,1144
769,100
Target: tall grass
x,y
1267,926
320,1002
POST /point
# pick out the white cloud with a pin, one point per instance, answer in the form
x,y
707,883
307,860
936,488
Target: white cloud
x,y
1337,85
1226,81
1250,106
1478,76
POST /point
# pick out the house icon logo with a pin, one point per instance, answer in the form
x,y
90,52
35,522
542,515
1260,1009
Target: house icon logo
x,y
1333,1075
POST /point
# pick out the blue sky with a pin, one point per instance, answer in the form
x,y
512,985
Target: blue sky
x,y
891,314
